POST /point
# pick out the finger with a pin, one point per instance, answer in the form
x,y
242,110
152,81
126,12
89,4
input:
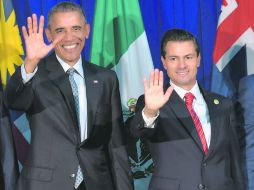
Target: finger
x,y
161,79
29,25
151,80
54,42
24,32
57,39
156,77
41,24
168,92
35,24
50,47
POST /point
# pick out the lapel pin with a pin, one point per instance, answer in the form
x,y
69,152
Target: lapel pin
x,y
216,101
95,81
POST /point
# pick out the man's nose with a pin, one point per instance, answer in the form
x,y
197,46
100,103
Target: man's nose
x,y
182,63
68,35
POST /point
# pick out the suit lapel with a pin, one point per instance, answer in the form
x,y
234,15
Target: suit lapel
x,y
181,112
212,104
93,92
61,80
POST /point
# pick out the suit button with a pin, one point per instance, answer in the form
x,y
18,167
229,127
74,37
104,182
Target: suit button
x,y
201,187
72,175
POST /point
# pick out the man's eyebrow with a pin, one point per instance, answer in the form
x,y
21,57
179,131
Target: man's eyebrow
x,y
58,29
76,26
190,54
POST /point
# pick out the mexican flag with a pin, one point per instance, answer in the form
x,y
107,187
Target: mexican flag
x,y
119,42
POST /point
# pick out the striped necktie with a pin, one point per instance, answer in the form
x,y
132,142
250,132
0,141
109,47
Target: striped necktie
x,y
74,87
189,97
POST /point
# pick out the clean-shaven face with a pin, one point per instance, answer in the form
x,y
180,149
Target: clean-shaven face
x,y
73,31
181,62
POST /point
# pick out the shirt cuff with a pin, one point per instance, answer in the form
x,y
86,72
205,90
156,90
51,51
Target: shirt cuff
x,y
149,122
27,76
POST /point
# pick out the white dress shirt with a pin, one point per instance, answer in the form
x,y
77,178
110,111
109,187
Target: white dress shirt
x,y
199,106
80,81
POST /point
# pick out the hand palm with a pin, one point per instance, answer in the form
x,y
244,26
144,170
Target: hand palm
x,y
36,48
155,97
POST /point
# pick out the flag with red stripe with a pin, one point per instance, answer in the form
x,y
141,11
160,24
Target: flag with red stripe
x,y
233,58
234,46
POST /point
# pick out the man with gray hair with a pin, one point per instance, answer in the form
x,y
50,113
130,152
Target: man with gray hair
x,y
73,107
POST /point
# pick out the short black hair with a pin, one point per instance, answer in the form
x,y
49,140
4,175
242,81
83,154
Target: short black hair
x,y
65,7
177,35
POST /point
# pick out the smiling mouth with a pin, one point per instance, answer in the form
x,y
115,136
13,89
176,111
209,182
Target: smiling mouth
x,y
182,73
69,47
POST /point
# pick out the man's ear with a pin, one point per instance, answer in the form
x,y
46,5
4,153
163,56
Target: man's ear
x,y
48,34
199,59
87,30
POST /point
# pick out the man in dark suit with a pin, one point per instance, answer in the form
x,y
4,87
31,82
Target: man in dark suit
x,y
73,107
246,122
8,162
191,132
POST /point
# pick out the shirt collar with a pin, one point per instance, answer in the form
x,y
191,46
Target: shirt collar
x,y
78,66
194,90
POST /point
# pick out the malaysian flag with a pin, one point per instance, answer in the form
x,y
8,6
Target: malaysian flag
x,y
233,71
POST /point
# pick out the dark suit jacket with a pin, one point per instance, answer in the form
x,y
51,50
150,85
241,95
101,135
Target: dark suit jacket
x,y
176,149
56,151
8,161
246,123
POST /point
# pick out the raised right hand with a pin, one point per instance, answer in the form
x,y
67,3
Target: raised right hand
x,y
155,97
36,48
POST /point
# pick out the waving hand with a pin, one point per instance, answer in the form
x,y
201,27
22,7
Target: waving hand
x,y
36,48
155,97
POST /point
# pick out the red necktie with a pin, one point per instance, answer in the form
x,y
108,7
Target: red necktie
x,y
188,101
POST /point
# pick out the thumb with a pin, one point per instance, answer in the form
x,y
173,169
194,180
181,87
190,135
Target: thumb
x,y
168,92
54,43
56,40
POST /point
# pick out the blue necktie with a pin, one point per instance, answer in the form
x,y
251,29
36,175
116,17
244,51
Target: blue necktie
x,y
74,87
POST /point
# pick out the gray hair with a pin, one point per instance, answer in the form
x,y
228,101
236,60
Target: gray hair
x,y
65,7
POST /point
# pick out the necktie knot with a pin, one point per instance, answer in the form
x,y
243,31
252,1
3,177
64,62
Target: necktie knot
x,y
189,97
71,71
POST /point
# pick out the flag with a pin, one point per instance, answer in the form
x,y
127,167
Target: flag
x,y
233,52
11,48
119,42
11,52
233,71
